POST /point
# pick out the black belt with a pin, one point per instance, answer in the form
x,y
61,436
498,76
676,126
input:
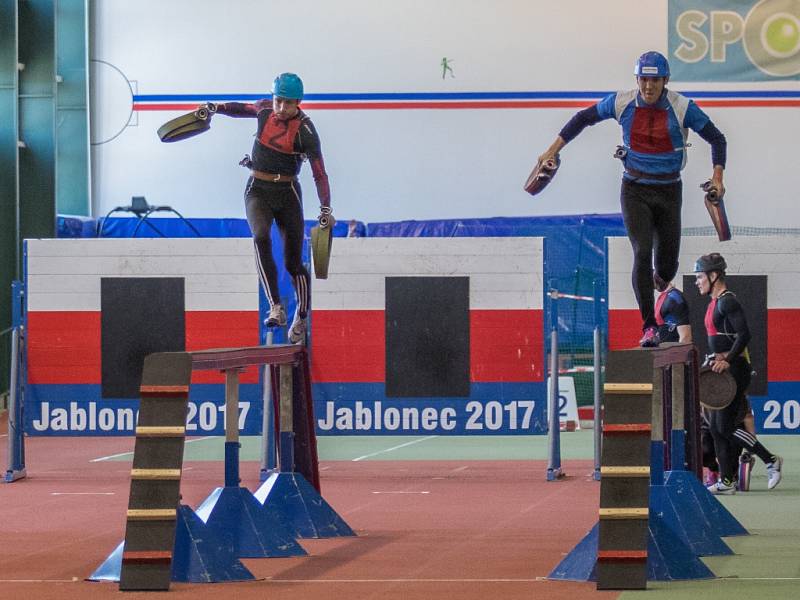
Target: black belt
x,y
656,176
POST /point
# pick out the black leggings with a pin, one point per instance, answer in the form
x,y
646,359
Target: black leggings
x,y
652,216
266,201
723,423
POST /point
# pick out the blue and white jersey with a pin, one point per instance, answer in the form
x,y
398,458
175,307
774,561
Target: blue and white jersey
x,y
654,135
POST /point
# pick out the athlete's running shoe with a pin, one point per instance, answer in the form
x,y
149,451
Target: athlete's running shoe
x,y
774,472
276,317
722,488
297,332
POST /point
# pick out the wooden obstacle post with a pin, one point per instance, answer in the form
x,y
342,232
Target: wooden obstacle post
x,y
230,523
156,473
625,471
658,535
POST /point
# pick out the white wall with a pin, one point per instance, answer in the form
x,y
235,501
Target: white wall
x,y
408,164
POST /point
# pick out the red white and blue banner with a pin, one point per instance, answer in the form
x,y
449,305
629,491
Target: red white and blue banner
x,y
365,382
95,307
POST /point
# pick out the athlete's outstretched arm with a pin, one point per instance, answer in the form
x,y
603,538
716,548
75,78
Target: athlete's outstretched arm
x,y
241,109
579,122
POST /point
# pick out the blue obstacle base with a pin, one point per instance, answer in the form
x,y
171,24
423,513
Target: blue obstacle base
x,y
685,520
554,468
16,418
233,523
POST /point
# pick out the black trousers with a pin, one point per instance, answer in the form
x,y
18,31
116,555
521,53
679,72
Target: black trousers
x,y
652,216
722,423
265,202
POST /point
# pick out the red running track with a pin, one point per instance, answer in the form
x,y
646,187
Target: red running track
x,y
426,530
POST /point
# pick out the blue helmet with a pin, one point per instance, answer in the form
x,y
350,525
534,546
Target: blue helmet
x,y
288,85
652,64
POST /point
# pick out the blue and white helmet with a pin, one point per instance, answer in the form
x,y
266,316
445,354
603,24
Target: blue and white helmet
x,y
652,64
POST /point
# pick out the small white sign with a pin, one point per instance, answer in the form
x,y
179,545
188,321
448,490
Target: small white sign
x,y
567,402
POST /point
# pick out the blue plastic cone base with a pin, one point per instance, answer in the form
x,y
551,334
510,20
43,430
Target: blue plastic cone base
x,y
111,567
580,564
669,559
300,507
196,559
678,508
722,522
238,522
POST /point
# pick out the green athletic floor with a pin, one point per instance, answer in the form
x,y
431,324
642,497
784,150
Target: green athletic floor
x,y
766,563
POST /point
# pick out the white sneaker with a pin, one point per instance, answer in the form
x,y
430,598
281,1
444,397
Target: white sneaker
x,y
721,488
774,472
297,332
276,317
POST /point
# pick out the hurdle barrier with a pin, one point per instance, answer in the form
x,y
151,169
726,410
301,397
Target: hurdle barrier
x,y
554,468
16,418
164,543
676,520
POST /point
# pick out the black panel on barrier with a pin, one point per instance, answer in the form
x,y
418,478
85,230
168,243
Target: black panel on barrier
x,y
751,290
140,315
427,337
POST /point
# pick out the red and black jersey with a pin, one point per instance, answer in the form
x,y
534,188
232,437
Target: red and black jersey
x,y
281,145
726,325
671,310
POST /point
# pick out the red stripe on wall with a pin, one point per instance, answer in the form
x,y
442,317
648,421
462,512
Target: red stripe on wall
x,y
506,345
348,346
218,329
64,346
389,105
624,328
783,345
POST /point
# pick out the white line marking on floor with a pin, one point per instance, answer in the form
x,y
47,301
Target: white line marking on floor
x,y
73,580
412,442
82,493
401,492
110,456
534,580
457,469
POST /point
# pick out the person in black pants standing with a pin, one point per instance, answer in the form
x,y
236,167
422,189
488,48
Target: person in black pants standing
x,y
728,335
285,137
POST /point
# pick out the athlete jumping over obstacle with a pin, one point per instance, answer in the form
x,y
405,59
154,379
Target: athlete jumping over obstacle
x,y
654,124
285,137
728,335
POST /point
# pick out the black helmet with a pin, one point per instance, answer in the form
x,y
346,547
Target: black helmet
x,y
710,262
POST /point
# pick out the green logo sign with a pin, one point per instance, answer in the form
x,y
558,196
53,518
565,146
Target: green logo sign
x,y
717,40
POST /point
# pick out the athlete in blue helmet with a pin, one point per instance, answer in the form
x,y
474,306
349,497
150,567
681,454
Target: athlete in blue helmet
x,y
655,123
285,136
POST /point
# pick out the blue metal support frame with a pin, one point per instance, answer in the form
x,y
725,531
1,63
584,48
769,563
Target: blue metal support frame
x,y
554,471
597,379
16,416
